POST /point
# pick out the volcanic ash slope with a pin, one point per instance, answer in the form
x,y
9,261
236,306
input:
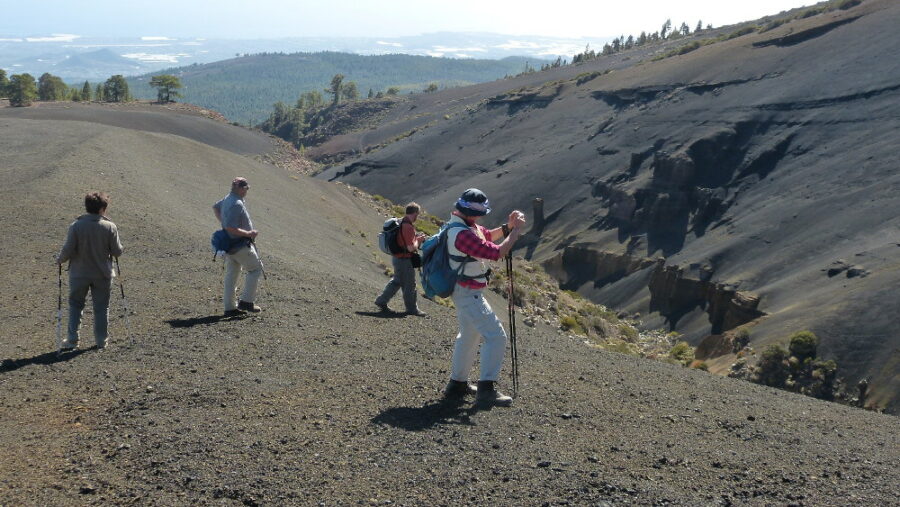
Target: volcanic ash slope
x,y
316,399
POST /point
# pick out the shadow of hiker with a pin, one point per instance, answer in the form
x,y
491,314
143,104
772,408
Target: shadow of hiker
x,y
443,411
47,358
211,319
383,315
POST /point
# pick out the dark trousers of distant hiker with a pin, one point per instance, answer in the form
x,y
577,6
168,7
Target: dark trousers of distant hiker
x,y
405,278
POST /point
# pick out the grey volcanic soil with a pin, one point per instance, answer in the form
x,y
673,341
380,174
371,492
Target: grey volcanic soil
x,y
318,400
756,164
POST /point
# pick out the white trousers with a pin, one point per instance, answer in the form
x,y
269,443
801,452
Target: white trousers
x,y
247,259
477,324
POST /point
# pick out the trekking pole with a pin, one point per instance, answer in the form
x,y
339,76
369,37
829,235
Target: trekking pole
x,y
124,302
259,257
514,353
59,311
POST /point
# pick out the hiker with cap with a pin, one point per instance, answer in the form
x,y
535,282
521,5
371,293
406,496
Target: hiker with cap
x,y
91,244
477,321
232,213
404,264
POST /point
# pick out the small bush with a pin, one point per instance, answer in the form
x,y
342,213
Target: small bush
x,y
775,23
621,347
846,4
823,377
803,345
741,32
772,369
808,13
741,339
682,352
448,302
570,323
629,333
700,365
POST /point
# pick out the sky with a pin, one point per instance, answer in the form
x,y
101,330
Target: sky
x,y
234,19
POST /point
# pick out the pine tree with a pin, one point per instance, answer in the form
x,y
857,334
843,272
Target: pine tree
x,y
349,91
337,85
642,39
51,87
699,26
166,86
665,28
393,90
98,93
4,84
22,90
115,89
371,93
685,29
432,87
86,92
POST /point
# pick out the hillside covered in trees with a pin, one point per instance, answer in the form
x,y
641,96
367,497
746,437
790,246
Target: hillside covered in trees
x,y
244,88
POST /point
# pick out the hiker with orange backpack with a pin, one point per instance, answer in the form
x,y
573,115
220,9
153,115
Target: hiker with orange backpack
x,y
468,245
403,244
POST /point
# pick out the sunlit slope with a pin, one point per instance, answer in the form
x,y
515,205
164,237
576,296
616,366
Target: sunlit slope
x,y
755,164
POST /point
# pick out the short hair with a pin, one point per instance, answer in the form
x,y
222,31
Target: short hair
x,y
413,208
95,202
239,182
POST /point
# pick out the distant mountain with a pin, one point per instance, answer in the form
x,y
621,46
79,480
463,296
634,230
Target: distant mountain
x,y
37,55
245,88
101,63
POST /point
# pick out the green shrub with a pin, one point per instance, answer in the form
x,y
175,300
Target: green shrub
x,y
574,295
775,23
741,32
808,13
621,347
772,369
682,352
741,339
628,332
846,4
700,365
570,323
803,345
822,379
687,48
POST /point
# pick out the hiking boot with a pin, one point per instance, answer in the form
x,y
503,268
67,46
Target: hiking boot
x,y
457,389
248,307
67,347
383,307
233,313
489,395
417,313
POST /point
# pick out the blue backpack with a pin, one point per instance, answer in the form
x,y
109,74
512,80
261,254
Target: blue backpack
x,y
438,279
222,243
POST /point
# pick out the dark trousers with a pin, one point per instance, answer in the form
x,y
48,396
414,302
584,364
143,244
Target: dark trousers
x,y
405,278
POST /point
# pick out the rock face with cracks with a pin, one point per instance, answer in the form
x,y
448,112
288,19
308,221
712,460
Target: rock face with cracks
x,y
750,165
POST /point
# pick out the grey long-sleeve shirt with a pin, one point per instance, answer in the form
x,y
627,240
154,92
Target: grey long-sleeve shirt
x,y
92,242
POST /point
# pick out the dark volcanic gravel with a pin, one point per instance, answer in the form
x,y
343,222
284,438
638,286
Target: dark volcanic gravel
x,y
317,400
